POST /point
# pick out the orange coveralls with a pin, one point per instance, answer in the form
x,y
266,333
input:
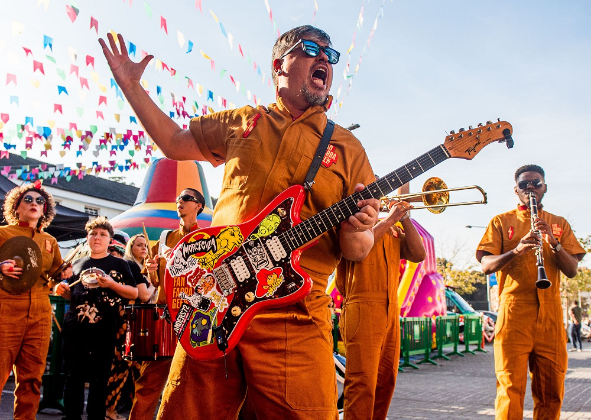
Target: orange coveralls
x,y
285,355
25,326
370,327
530,327
153,374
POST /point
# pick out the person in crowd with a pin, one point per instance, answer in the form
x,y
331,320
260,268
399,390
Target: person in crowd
x,y
576,317
99,285
25,318
136,253
370,320
153,374
285,355
530,329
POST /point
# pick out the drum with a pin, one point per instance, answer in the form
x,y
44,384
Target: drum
x,y
149,335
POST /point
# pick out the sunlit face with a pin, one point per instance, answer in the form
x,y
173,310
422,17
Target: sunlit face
x,y
187,208
523,193
98,240
139,248
29,210
306,80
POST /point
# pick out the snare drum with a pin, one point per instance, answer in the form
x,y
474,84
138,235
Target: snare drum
x,y
149,336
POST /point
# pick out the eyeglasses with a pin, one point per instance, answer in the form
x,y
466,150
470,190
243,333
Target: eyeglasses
x,y
312,49
187,197
536,183
29,199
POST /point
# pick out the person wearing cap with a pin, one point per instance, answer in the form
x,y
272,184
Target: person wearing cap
x,y
90,325
25,318
153,374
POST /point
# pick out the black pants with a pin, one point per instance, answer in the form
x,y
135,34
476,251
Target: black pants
x,y
86,361
575,336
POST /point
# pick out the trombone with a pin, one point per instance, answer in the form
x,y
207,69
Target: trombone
x,y
435,196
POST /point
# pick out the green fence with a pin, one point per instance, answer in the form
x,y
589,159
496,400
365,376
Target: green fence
x,y
53,382
415,334
447,335
473,333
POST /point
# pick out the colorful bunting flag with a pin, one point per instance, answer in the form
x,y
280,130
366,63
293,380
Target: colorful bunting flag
x,y
94,24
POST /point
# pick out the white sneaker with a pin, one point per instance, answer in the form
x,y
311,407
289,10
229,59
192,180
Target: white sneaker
x,y
580,350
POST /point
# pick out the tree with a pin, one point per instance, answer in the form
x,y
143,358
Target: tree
x,y
582,281
463,280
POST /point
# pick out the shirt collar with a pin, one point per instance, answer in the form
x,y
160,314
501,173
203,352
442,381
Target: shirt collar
x,y
193,227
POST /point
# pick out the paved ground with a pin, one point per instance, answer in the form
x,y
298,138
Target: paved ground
x,y
463,388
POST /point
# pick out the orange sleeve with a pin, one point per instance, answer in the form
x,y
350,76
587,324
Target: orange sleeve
x,y
569,241
492,241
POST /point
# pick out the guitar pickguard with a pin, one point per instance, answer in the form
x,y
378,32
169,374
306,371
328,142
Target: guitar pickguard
x,y
219,276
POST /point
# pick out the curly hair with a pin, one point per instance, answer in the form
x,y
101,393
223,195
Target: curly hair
x,y
100,222
529,168
13,200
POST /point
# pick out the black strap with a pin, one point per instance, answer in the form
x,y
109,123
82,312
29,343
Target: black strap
x,y
320,152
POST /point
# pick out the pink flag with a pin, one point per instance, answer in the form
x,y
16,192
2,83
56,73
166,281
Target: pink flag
x,y
27,52
102,100
38,66
84,82
163,25
74,69
197,5
10,78
90,60
94,24
58,108
72,13
99,114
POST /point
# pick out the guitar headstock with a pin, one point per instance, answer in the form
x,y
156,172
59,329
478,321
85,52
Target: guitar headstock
x,y
466,144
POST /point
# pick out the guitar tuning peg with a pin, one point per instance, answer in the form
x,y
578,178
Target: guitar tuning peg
x,y
461,129
489,122
469,127
498,120
479,124
452,132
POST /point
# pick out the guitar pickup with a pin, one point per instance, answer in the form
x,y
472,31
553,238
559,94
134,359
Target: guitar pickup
x,y
224,278
240,269
276,249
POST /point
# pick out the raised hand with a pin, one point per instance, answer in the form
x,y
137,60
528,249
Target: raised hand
x,y
125,71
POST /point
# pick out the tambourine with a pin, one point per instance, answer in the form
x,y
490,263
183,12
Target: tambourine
x,y
89,277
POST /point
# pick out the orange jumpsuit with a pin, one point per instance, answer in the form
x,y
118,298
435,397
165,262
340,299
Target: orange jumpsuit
x,y
25,326
530,328
153,374
285,355
370,327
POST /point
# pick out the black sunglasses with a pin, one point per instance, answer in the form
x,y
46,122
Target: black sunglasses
x,y
29,199
187,197
536,183
312,49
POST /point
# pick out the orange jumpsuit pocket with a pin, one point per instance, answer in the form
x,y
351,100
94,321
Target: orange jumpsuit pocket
x,y
351,319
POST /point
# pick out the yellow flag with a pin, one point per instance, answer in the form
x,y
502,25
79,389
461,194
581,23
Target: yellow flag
x,y
214,16
36,83
205,55
118,117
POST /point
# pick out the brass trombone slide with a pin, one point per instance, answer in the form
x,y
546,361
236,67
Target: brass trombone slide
x,y
435,196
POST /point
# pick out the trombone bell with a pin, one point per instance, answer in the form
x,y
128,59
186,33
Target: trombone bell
x,y
435,196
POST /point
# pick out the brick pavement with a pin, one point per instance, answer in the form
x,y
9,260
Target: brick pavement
x,y
463,388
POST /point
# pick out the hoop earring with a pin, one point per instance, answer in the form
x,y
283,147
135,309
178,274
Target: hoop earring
x,y
279,72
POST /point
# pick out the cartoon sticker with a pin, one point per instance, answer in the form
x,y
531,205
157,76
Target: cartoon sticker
x,y
226,241
269,282
267,227
511,232
201,324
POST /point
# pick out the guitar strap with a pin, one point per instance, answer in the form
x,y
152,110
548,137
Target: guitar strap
x,y
322,146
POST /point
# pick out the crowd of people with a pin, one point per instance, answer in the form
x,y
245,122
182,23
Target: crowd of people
x,y
283,365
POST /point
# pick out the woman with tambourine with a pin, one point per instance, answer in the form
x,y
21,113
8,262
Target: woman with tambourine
x,y
25,311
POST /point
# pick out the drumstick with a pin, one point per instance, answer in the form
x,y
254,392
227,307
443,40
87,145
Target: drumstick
x,y
152,274
76,282
57,324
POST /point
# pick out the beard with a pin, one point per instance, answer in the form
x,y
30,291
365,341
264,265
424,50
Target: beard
x,y
314,98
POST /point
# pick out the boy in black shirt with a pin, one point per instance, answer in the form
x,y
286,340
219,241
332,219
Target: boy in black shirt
x,y
90,325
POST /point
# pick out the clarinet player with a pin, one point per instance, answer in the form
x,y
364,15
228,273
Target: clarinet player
x,y
530,330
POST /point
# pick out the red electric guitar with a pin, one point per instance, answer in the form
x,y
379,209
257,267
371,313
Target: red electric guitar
x,y
218,278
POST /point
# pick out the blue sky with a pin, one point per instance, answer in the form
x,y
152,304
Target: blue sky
x,y
433,66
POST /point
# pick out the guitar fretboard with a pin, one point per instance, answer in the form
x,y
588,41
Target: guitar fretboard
x,y
335,214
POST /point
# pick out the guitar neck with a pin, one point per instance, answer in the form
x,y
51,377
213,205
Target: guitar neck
x,y
330,217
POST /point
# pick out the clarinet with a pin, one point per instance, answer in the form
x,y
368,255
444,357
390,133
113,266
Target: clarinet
x,y
542,282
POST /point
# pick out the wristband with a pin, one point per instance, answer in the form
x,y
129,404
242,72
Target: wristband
x,y
556,248
406,216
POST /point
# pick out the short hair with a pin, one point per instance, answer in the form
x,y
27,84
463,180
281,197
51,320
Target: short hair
x,y
286,41
576,302
13,200
128,254
199,197
100,222
529,168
